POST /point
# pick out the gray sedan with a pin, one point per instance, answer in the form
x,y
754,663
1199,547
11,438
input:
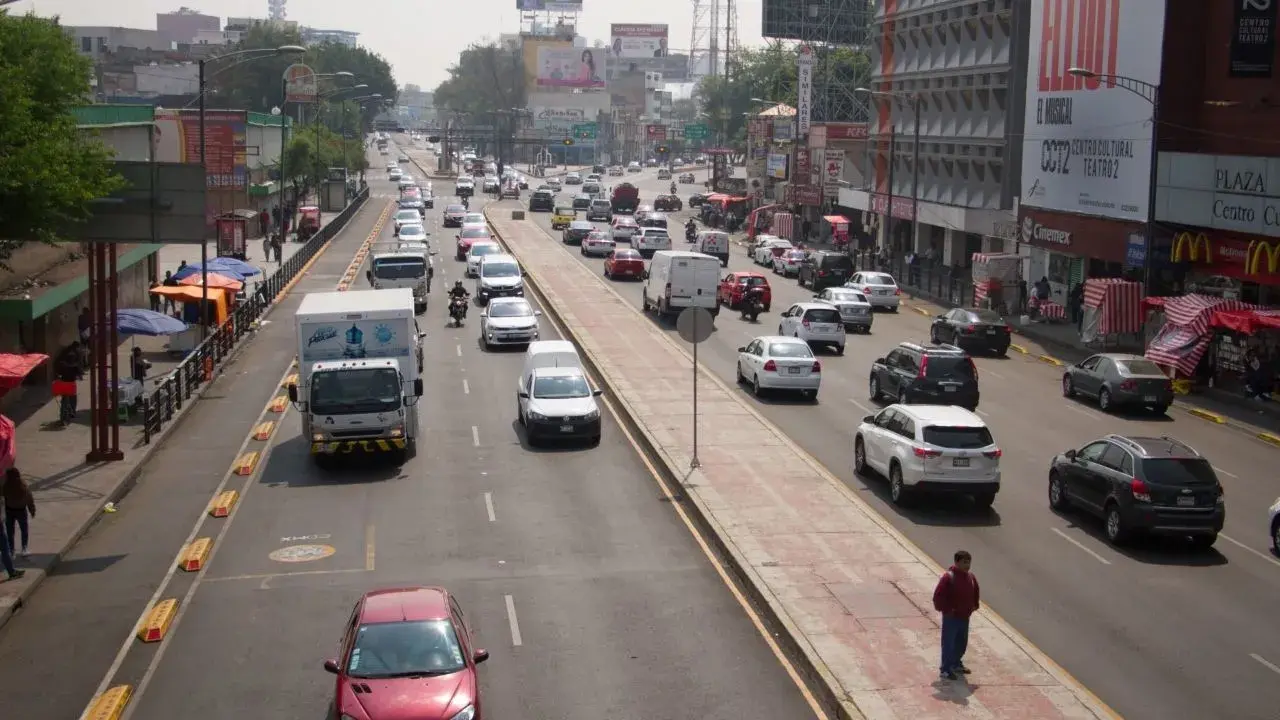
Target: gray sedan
x,y
855,311
1119,379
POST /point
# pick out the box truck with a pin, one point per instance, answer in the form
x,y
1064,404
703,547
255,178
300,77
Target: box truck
x,y
359,372
399,264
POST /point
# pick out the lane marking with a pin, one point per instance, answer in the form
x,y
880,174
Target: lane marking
x,y
1242,546
458,350
862,407
513,622
488,507
1229,474
475,436
1073,407
1080,545
1265,663
466,387
992,373
983,413
369,548
272,576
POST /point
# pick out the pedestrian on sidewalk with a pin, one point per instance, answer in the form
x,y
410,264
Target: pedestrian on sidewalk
x,y
264,222
277,249
68,369
170,307
138,366
806,228
19,507
84,324
6,560
957,598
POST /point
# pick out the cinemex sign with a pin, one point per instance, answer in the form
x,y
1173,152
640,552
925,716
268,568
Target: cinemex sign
x,y
1227,192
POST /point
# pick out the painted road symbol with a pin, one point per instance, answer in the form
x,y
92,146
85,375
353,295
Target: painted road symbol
x,y
302,553
305,538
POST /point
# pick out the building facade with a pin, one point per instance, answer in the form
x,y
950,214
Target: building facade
x,y
182,27
318,36
97,41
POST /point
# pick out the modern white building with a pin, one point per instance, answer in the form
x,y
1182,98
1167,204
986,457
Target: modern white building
x,y
317,36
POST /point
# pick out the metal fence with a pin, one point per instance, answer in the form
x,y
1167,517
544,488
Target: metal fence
x,y
942,284
197,368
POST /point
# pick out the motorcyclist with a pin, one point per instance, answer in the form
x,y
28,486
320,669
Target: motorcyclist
x,y
458,292
751,296
690,230
673,188
466,205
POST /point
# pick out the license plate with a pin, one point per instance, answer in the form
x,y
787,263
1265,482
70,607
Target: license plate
x,y
794,370
1186,501
991,331
948,388
1149,398
960,462
566,428
882,292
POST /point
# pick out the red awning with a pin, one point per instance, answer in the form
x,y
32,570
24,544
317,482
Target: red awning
x,y
13,368
1245,321
836,219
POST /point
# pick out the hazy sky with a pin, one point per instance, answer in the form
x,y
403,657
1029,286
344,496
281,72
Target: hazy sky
x,y
420,39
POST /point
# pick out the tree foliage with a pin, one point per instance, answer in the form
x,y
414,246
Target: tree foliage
x,y
49,171
486,78
302,164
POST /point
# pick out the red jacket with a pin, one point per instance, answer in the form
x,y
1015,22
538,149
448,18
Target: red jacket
x,y
957,593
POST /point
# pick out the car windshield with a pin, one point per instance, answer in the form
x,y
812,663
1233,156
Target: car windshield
x,y
558,387
475,232
476,218
480,249
985,316
500,269
398,268
843,262
1139,367
355,390
453,209
405,649
846,296
958,438
790,350
1183,472
878,279
408,215
752,281
949,367
822,315
412,231
510,309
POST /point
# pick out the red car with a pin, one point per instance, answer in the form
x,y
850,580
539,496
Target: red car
x,y
625,263
469,235
736,283
407,653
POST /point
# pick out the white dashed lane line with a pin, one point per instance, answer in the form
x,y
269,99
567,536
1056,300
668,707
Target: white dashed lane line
x,y
1081,546
466,387
475,436
488,507
516,639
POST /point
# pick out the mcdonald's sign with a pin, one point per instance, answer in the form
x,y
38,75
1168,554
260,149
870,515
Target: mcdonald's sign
x,y
1191,247
1258,250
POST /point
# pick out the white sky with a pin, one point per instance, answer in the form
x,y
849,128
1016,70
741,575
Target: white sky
x,y
420,39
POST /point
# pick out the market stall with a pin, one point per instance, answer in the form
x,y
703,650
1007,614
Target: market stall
x,y
1112,307
996,277
760,220
837,227
191,297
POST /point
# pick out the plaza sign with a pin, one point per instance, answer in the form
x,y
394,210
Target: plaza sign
x,y
1227,192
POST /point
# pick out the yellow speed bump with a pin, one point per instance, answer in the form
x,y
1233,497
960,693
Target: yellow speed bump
x,y
246,463
1018,349
157,622
1267,437
221,505
109,705
263,430
1206,415
279,404
1050,360
193,556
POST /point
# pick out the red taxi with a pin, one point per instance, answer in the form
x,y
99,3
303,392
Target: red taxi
x,y
624,263
470,234
736,283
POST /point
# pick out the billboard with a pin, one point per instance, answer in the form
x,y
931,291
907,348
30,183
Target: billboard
x,y
637,41
804,89
1087,145
529,49
300,84
177,139
627,91
568,6
568,67
558,121
673,68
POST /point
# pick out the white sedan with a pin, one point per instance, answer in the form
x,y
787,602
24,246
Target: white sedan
x,y
880,289
597,243
476,253
769,246
623,228
774,362
406,217
508,321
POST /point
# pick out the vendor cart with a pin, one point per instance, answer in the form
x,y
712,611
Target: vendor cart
x,y
308,222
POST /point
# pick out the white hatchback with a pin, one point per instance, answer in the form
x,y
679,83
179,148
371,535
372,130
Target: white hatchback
x,y
816,323
623,228
880,289
929,448
597,243
476,253
773,362
768,247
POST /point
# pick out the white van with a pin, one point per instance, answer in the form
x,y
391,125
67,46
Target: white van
x,y
650,241
546,354
678,279
713,243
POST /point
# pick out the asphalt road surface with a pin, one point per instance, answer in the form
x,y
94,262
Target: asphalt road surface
x,y
593,598
1156,630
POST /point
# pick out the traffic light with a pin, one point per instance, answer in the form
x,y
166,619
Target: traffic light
x,y
662,149
568,141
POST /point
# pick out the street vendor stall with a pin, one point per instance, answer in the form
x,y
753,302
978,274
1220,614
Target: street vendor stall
x,y
996,280
837,226
1112,306
191,297
308,222
14,368
760,220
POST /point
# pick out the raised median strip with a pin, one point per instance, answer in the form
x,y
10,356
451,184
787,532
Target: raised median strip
x,y
1018,349
109,705
849,596
221,504
1270,438
1206,415
155,625
1050,360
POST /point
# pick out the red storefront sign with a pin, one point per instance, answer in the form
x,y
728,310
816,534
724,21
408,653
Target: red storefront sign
x,y
804,165
846,131
656,132
1223,253
903,208
804,194
224,145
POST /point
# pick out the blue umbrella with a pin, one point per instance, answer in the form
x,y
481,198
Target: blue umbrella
x,y
147,322
222,264
190,270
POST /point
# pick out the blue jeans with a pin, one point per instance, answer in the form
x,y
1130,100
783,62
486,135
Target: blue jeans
x,y
5,558
955,640
16,528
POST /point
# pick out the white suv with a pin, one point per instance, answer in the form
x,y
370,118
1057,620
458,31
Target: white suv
x,y
929,448
817,323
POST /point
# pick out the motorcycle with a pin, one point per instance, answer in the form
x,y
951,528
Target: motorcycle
x,y
457,310
673,188
751,308
690,233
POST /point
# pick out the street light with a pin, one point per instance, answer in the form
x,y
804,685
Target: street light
x,y
914,99
248,54
320,97
1151,93
360,102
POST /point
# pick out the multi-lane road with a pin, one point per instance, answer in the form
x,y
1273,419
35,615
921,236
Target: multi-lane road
x,y
592,596
1157,630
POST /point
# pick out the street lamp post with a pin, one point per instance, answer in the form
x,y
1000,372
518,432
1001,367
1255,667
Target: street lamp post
x,y
359,102
200,95
914,99
1151,93
320,97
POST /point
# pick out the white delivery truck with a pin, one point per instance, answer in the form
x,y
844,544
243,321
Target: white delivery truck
x,y
359,372
398,264
678,279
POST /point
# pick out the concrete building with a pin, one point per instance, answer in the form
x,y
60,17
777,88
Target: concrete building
x,y
154,79
317,36
185,25
96,41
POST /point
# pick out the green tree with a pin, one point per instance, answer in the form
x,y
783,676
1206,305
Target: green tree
x,y
49,171
486,78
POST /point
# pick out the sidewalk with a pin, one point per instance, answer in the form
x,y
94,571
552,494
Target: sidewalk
x,y
845,590
69,492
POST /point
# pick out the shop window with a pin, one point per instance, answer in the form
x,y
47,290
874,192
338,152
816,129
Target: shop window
x,y
1059,269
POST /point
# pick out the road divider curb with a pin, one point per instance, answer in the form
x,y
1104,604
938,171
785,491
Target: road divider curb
x,y
246,463
279,404
1018,349
109,705
1267,437
362,252
193,556
291,380
221,505
158,620
1206,415
262,431
922,310
1050,360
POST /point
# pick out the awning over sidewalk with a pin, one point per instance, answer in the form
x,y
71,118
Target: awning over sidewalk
x,y
14,368
836,219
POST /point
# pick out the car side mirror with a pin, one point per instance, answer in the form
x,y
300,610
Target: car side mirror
x,y
331,666
417,387
480,656
484,313
537,313
817,296
742,349
939,317
523,395
1070,455
293,392
597,393
879,360
869,418
645,275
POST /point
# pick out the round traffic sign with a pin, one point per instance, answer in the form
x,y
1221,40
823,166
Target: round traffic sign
x,y
695,324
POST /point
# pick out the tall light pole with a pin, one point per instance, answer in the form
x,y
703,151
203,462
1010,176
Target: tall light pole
x,y
248,54
914,99
320,97
360,103
1151,93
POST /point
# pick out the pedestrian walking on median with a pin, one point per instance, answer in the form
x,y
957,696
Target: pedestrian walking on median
x,y
957,598
19,508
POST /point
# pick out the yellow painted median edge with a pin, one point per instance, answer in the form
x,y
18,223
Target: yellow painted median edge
x,y
157,622
922,310
221,505
110,704
1019,349
1051,360
1206,415
193,556
1267,437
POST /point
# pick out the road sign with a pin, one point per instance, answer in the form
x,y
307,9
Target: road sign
x,y
585,131
695,324
656,132
696,131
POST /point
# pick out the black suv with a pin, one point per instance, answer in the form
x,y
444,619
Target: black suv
x,y
913,373
825,269
577,231
1158,486
542,200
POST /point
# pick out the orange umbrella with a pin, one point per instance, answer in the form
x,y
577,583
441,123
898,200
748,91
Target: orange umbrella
x,y
215,281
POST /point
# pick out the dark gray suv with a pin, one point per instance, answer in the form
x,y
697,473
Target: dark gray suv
x,y
918,374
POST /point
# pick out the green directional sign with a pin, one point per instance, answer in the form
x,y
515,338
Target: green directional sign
x,y
585,131
697,131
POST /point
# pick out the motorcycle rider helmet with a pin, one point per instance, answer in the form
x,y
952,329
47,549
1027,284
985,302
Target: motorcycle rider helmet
x,y
457,285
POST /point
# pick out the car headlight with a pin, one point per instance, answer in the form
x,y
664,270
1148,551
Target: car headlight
x,y
593,415
536,416
397,431
466,713
319,437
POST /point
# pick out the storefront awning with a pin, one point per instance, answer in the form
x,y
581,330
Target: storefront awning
x,y
14,368
836,219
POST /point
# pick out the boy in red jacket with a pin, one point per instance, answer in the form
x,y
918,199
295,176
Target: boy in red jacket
x,y
956,597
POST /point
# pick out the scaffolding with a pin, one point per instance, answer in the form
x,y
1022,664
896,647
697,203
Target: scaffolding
x,y
826,26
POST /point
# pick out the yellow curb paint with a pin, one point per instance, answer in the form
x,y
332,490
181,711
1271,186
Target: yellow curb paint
x,y
279,404
109,705
1206,415
158,620
193,556
1018,349
291,380
1267,437
1050,360
246,463
221,505
921,310
263,430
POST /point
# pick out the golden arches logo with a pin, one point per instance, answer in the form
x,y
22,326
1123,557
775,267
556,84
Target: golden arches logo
x,y
1257,251
1192,247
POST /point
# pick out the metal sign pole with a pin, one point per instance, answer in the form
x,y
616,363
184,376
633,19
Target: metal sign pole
x,y
695,463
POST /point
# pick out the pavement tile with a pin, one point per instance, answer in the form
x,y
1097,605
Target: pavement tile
x,y
860,598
